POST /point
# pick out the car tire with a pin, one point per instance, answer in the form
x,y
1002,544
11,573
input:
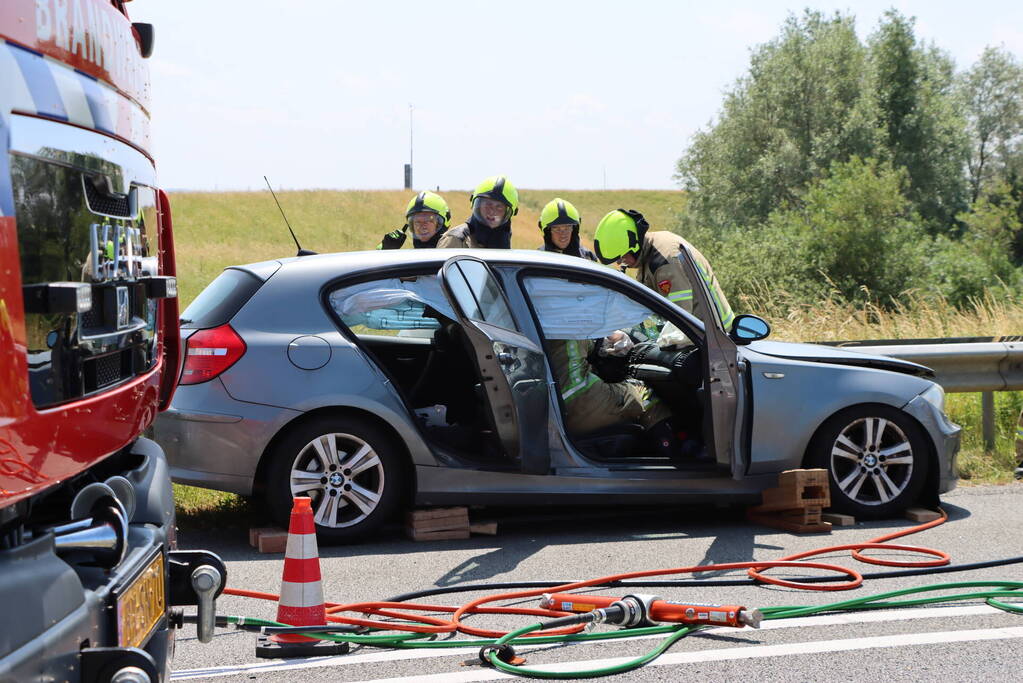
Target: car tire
x,y
876,457
351,470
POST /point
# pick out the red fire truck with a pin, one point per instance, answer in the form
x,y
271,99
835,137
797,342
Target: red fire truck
x,y
90,576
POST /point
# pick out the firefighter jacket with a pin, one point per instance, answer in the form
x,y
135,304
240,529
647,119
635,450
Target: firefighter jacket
x,y
660,270
473,235
590,402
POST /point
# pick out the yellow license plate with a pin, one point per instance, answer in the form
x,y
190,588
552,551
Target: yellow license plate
x,y
142,605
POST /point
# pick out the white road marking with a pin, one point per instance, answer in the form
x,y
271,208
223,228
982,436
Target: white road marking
x,y
733,653
751,651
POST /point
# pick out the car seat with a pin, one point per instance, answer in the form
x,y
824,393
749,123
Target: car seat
x,y
611,442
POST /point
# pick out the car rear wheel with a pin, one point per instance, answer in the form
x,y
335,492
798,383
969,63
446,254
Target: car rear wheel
x,y
876,457
350,469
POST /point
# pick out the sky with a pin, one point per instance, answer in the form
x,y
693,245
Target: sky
x,y
554,94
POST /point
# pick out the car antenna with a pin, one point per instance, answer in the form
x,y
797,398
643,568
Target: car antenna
x,y
301,251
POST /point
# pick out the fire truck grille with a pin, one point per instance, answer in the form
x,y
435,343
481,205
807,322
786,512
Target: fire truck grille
x,y
108,205
91,318
106,370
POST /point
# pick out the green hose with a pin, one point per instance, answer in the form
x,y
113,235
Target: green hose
x,y
880,601
877,601
996,589
678,632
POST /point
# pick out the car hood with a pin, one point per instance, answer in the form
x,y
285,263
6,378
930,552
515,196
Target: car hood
x,y
839,356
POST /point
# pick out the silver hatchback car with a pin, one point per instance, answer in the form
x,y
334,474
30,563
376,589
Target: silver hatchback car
x,y
371,381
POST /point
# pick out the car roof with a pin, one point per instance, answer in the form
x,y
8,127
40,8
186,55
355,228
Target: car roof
x,y
351,262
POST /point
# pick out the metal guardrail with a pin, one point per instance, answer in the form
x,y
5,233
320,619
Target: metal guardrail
x,y
963,367
973,364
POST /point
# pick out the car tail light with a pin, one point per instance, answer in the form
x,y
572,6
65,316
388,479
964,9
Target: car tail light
x,y
209,352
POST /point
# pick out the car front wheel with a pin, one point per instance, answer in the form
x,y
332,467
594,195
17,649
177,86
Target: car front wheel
x,y
876,457
350,469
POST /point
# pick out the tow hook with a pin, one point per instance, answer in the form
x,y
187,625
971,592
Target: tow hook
x,y
206,580
197,578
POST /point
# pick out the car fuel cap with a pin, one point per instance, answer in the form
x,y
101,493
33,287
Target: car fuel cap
x,y
309,352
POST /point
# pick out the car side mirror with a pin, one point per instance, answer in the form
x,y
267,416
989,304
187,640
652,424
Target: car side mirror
x,y
748,328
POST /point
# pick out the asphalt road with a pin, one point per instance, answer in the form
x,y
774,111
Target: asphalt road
x,y
966,641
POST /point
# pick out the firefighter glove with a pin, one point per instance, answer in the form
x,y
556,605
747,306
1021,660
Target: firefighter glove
x,y
394,239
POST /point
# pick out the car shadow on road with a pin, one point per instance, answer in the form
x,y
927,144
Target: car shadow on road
x,y
524,532
734,539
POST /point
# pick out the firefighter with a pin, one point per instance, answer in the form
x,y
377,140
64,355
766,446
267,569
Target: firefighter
x,y
591,403
494,202
429,217
623,236
559,223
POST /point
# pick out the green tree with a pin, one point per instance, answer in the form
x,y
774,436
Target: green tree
x,y
861,234
916,110
992,93
992,227
803,105
853,234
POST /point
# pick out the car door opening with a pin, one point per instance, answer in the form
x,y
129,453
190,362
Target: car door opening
x,y
408,327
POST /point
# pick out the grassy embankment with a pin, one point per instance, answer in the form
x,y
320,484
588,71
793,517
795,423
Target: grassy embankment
x,y
214,230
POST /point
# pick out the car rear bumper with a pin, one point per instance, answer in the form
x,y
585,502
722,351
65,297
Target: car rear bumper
x,y
214,441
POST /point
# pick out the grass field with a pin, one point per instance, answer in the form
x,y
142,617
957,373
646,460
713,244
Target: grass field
x,y
214,230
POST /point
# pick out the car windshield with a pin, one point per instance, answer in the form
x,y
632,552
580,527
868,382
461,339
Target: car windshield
x,y
392,304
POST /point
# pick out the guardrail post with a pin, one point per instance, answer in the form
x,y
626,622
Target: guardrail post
x,y
987,406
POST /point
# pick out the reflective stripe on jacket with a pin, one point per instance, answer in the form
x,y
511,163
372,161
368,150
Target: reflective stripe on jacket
x,y
578,376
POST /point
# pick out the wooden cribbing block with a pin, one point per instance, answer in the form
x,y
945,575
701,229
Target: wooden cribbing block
x,y
795,504
807,520
255,531
484,528
838,520
922,514
434,513
443,535
797,489
272,540
437,524
437,519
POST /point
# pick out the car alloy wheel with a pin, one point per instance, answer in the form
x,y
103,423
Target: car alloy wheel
x,y
876,457
872,460
344,477
350,468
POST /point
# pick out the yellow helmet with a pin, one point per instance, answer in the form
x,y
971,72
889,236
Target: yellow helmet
x,y
620,232
497,188
429,202
559,212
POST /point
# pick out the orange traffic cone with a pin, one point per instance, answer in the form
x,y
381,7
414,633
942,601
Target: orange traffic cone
x,y
301,600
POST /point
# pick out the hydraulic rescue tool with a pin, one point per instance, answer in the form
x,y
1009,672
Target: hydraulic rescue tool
x,y
646,610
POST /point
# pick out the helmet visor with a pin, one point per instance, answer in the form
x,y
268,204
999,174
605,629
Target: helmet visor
x,y
491,212
425,224
561,234
611,247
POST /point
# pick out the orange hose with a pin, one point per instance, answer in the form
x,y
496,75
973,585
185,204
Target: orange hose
x,y
427,624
